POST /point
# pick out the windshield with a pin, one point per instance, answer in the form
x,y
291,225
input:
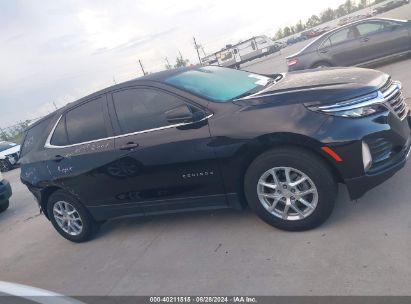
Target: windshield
x,y
218,84
6,145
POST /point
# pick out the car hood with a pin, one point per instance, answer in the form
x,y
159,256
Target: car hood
x,y
319,86
12,150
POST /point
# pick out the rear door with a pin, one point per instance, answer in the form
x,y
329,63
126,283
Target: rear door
x,y
170,164
382,38
80,155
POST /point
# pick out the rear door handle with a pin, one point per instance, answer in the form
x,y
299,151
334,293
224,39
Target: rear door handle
x,y
324,51
129,146
365,39
58,158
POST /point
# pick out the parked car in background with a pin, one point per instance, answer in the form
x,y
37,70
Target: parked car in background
x,y
5,193
360,43
206,138
295,39
389,6
9,155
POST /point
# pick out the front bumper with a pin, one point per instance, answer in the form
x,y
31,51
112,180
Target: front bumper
x,y
5,191
359,185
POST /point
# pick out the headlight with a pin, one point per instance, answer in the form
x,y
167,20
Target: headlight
x,y
357,107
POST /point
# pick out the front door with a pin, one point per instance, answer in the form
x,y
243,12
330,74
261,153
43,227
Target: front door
x,y
344,47
170,164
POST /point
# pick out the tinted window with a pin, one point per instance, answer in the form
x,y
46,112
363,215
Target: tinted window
x,y
86,122
34,136
369,28
343,35
216,83
143,109
59,137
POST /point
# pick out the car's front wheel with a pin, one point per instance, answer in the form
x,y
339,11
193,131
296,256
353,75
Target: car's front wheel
x,y
70,218
290,188
5,165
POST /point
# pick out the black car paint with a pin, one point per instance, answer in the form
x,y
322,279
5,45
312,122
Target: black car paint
x,y
201,165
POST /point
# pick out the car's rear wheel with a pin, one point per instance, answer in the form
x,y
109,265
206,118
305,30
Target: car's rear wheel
x,y
5,165
70,218
4,206
290,188
322,64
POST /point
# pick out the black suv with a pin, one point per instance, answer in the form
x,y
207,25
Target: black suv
x,y
210,138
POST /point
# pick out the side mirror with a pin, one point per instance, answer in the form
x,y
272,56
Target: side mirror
x,y
180,114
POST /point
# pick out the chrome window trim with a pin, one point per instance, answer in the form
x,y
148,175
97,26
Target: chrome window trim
x,y
48,145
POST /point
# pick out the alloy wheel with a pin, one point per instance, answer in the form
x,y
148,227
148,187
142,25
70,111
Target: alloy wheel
x,y
287,193
67,218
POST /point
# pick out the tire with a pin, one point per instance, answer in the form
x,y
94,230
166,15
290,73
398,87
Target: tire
x,y
323,194
5,206
5,165
55,205
322,64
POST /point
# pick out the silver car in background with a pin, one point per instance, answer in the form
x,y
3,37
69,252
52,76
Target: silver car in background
x,y
359,43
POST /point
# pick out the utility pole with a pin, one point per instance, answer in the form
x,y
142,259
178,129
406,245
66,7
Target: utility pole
x,y
55,105
197,47
141,65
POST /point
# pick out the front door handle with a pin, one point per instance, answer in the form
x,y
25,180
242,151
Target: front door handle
x,y
129,146
365,39
58,158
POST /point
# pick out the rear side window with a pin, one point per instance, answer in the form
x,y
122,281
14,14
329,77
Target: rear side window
x,y
143,109
84,123
34,136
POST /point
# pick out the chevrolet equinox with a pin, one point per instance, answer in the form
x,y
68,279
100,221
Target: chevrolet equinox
x,y
210,138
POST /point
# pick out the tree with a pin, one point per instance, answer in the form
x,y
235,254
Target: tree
x,y
349,6
362,4
327,15
299,27
314,20
340,11
181,62
279,34
287,31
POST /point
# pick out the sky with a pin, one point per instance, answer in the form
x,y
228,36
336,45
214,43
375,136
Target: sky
x,y
54,52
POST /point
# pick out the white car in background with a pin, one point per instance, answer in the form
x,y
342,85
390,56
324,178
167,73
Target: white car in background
x,y
9,155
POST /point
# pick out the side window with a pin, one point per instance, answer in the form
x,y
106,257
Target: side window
x,y
143,109
370,28
59,137
342,36
326,44
86,122
34,136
